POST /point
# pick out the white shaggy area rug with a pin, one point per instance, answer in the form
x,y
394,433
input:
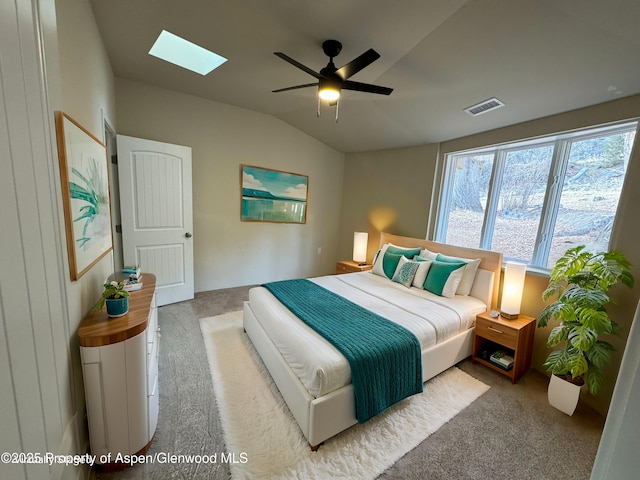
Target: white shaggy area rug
x,y
265,440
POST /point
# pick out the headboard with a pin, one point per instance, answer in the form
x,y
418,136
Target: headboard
x,y
489,260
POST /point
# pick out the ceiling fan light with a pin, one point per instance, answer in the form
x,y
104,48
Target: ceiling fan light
x,y
329,89
329,93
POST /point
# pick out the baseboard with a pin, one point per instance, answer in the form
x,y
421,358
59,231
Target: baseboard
x,y
60,471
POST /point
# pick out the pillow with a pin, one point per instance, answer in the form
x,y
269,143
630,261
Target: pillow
x,y
469,274
386,264
421,273
405,271
429,255
443,278
379,267
407,252
377,261
375,257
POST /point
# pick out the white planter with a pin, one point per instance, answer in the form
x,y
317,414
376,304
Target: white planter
x,y
563,395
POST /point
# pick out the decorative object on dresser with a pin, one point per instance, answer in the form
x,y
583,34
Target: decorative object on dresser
x,y
120,371
512,287
580,281
347,266
116,297
513,338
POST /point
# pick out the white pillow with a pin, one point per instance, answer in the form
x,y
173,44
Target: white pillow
x,y
405,272
421,273
468,275
428,254
377,261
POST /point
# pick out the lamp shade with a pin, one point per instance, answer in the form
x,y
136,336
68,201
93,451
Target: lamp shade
x,y
360,240
512,287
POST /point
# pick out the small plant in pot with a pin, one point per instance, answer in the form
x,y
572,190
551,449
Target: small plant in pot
x,y
116,299
580,282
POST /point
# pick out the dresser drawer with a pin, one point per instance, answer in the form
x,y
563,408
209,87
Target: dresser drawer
x,y
497,332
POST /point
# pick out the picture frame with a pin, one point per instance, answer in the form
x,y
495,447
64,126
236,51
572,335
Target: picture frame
x,y
84,176
274,196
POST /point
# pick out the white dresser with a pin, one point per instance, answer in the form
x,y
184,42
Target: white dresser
x,y
120,371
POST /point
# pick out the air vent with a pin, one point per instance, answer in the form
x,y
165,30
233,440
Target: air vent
x,y
484,107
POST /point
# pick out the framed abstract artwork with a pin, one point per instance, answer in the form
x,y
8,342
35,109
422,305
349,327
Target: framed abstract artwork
x,y
272,195
84,175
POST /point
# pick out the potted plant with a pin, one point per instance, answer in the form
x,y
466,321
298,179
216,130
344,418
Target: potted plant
x,y
580,281
116,298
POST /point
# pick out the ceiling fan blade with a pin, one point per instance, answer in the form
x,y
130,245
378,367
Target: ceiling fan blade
x,y
357,64
295,63
296,87
366,87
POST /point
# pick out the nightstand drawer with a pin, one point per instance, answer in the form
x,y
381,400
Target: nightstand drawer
x,y
497,332
351,267
341,267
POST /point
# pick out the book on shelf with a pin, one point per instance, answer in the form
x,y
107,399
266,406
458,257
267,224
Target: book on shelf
x,y
502,359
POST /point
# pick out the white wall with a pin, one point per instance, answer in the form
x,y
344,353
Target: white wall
x,y
229,252
87,94
41,399
386,190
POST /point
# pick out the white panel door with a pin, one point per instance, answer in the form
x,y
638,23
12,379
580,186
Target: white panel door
x,y
156,209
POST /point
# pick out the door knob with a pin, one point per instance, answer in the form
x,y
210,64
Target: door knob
x,y
188,235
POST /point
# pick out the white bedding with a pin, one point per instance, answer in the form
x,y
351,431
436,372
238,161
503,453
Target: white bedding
x,y
318,365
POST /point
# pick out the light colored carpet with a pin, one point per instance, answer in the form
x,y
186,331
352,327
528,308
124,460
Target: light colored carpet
x,y
265,442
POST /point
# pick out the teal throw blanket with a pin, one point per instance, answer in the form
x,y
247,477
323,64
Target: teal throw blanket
x,y
385,358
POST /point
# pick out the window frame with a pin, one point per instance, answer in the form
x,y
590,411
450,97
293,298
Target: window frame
x,y
562,143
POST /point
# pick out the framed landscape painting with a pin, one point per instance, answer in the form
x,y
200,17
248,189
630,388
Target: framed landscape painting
x,y
84,176
272,195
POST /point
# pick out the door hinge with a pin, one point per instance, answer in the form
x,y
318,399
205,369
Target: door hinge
x,y
114,159
118,228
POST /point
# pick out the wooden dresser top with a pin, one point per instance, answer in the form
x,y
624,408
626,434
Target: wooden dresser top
x,y
97,329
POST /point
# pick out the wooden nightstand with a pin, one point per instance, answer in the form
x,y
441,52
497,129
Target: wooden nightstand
x,y
515,335
347,266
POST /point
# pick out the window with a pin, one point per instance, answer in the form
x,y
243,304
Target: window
x,y
535,199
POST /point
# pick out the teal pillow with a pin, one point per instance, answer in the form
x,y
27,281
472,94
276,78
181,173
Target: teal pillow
x,y
386,266
443,278
407,252
469,274
443,258
390,263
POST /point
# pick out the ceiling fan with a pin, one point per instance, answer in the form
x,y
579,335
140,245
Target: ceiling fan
x,y
332,80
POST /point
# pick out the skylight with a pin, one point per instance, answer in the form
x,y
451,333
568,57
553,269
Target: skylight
x,y
185,54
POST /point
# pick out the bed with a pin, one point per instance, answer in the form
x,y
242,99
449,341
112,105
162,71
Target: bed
x,y
314,378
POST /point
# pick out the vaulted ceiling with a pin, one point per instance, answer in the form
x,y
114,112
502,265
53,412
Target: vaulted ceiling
x,y
539,57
